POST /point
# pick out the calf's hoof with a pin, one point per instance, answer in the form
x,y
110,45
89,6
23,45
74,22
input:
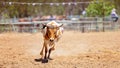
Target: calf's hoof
x,y
45,61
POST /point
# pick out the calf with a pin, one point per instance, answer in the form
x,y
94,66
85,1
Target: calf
x,y
51,34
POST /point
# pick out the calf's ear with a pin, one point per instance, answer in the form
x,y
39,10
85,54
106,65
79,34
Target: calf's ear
x,y
43,25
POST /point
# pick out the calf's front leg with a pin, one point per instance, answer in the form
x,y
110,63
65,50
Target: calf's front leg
x,y
52,48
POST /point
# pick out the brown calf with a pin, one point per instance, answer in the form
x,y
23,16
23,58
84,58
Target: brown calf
x,y
51,33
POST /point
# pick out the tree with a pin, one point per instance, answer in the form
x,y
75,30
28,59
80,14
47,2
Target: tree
x,y
117,5
99,8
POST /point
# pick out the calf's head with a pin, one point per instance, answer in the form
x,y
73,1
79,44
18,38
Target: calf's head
x,y
51,31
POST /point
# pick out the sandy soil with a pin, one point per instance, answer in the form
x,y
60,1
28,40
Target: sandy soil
x,y
74,50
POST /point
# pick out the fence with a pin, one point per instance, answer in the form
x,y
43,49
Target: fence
x,y
83,25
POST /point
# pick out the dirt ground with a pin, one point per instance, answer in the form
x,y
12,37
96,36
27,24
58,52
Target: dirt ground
x,y
74,50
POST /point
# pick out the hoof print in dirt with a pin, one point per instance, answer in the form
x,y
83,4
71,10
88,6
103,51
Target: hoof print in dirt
x,y
45,61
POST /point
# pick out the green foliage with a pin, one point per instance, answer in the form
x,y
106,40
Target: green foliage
x,y
117,5
100,8
26,10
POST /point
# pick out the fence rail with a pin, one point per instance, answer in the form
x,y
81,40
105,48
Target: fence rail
x,y
83,26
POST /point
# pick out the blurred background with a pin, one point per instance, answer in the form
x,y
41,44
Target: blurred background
x,y
88,13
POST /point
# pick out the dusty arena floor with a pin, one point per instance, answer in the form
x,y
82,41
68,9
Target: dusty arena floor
x,y
74,50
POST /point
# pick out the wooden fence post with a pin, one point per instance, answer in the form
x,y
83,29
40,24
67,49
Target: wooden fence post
x,y
103,25
83,28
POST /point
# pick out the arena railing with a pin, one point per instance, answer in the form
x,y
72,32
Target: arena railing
x,y
83,25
